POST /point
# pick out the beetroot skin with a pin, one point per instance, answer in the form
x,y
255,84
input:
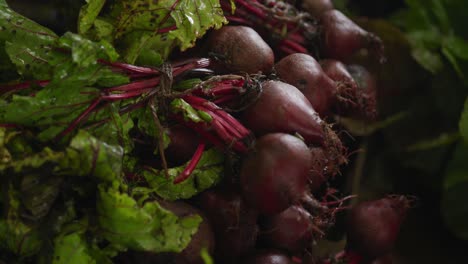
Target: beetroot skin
x,y
341,37
317,7
304,72
233,220
274,174
283,108
290,230
241,49
373,226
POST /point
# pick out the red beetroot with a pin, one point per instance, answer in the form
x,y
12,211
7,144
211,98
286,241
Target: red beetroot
x,y
367,90
337,71
234,223
341,37
287,29
316,7
304,72
241,49
322,167
183,143
373,226
356,89
274,174
283,108
291,230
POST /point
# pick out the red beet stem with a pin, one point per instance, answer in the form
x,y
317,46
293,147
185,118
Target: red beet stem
x,y
129,68
137,85
250,7
127,95
294,46
192,164
167,29
22,86
78,119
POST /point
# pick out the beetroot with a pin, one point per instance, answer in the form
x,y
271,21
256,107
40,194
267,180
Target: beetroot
x,y
241,49
234,222
183,143
316,7
373,226
269,256
291,230
274,174
356,89
283,108
337,71
322,167
367,90
341,37
304,72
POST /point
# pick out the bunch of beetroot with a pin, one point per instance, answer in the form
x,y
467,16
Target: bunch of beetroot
x,y
276,202
271,85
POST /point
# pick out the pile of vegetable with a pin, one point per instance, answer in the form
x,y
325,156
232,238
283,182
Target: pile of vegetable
x,y
186,131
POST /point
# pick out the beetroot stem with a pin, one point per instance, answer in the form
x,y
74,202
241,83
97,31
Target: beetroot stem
x,y
135,85
192,164
167,29
224,99
22,86
123,96
79,118
295,46
258,12
130,68
224,118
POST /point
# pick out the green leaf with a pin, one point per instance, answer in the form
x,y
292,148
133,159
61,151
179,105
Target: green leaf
x,y
116,130
27,43
441,15
15,235
86,52
38,193
205,255
145,25
5,156
364,128
463,124
207,174
72,249
193,18
454,191
426,45
442,140
33,161
88,14
103,29
86,156
142,225
458,46
189,113
456,50
89,156
433,30
70,90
